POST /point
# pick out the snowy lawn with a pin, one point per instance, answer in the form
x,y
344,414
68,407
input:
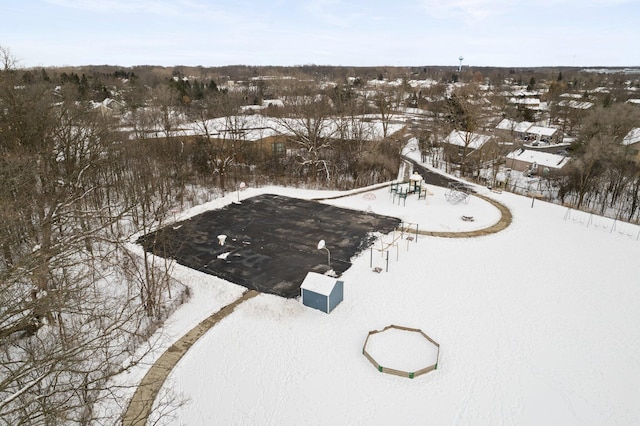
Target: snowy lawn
x,y
538,324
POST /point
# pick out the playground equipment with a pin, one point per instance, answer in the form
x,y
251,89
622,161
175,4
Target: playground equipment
x,y
402,351
399,190
407,231
602,222
423,191
457,192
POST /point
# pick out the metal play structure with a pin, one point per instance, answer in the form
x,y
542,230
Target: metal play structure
x,y
406,231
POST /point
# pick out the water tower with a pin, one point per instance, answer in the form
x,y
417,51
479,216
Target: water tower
x,y
460,66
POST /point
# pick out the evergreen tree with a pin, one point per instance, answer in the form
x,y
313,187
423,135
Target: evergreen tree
x,y
532,84
83,86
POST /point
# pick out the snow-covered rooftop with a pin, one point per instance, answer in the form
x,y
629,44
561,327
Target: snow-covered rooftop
x,y
572,95
543,131
318,283
256,127
576,104
544,159
632,137
525,101
507,124
470,140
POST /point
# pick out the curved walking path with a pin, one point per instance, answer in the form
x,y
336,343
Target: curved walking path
x,y
142,401
505,221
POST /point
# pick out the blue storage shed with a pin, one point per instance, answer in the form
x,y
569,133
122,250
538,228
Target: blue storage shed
x,y
321,292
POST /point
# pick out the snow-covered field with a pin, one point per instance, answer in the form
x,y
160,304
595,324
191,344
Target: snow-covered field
x,y
537,324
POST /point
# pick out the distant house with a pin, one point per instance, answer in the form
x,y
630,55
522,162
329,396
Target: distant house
x,y
266,103
537,135
572,103
263,133
511,128
467,148
531,103
632,142
576,101
530,133
321,292
270,137
278,137
472,141
535,162
108,106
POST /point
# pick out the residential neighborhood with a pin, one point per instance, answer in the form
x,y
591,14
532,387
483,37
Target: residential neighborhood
x,y
470,124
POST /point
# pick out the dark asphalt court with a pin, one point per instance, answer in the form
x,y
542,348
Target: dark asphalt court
x,y
271,241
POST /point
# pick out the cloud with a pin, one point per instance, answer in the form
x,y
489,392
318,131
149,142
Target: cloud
x,y
335,13
467,10
175,8
477,11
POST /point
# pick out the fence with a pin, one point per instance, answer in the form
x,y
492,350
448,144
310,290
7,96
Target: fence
x,y
401,373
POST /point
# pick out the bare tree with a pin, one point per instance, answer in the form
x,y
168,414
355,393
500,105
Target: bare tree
x,y
306,120
467,115
221,133
600,158
437,124
65,328
387,101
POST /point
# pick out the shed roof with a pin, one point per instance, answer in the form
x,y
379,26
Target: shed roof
x,y
318,283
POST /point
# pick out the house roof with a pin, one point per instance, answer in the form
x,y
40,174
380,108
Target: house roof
x,y
470,140
250,127
632,137
516,126
543,131
576,104
543,159
525,101
256,127
318,283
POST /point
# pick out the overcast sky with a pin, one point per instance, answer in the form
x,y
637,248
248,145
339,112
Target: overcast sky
x,y
509,33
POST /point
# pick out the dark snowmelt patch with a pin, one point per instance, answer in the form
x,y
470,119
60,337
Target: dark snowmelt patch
x,y
271,241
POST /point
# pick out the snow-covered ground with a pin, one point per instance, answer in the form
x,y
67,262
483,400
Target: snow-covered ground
x,y
537,324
